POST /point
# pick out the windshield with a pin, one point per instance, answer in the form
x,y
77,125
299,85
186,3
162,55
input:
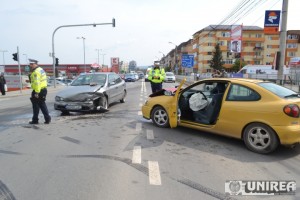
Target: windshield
x,y
129,75
169,74
87,79
278,90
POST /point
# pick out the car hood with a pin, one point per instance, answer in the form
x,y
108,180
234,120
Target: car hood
x,y
76,90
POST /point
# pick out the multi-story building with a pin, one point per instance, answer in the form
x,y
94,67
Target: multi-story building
x,y
257,47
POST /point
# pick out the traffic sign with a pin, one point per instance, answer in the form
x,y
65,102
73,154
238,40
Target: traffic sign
x,y
187,60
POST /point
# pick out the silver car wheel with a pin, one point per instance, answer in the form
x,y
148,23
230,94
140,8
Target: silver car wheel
x,y
260,138
160,117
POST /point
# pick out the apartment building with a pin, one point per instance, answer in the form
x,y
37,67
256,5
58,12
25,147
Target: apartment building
x,y
257,47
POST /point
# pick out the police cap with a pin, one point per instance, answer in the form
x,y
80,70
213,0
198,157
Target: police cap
x,y
32,61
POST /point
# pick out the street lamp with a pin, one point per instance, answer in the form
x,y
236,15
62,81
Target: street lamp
x,y
163,58
175,57
24,54
3,51
83,39
103,60
98,54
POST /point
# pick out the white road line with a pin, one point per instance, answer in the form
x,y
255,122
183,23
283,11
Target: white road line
x,y
140,113
150,135
154,174
137,155
138,127
140,104
141,99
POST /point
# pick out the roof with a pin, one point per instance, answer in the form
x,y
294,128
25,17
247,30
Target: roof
x,y
228,27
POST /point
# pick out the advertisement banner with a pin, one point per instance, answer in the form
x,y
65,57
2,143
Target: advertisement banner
x,y
236,38
272,20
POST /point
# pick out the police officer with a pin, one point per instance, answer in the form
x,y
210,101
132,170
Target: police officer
x,y
156,76
38,80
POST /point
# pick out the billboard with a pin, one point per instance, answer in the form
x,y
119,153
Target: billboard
x,y
236,38
272,21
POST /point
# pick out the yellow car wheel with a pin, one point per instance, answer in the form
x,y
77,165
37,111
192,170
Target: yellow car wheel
x,y
160,117
260,138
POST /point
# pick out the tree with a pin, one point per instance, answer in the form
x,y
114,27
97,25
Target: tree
x,y
237,66
217,60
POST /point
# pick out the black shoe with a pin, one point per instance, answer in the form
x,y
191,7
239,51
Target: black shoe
x,y
48,121
33,122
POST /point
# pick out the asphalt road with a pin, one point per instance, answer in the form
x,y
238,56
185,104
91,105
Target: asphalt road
x,y
120,155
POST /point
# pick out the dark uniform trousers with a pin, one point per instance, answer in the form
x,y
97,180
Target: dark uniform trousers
x,y
39,103
156,87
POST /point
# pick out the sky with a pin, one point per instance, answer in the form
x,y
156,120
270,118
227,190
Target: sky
x,y
142,33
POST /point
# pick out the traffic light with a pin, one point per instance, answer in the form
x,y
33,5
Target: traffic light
x,y
56,61
15,56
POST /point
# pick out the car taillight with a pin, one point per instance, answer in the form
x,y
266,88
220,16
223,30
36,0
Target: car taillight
x,y
291,110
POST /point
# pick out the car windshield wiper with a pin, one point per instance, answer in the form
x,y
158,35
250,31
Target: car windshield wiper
x,y
292,95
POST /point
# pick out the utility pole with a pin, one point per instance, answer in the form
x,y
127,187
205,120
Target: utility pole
x,y
282,40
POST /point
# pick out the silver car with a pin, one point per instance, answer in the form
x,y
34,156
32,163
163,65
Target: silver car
x,y
91,92
170,77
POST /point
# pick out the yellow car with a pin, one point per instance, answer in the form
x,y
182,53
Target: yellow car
x,y
261,113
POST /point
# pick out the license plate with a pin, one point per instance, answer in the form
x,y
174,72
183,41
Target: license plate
x,y
73,107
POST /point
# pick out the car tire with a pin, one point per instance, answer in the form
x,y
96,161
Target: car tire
x,y
124,96
103,102
260,138
160,117
65,112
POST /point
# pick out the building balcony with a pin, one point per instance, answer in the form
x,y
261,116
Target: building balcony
x,y
256,57
258,48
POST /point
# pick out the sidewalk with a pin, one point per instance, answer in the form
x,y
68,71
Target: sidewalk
x,y
27,92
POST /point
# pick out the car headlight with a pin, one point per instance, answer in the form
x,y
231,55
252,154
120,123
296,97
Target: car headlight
x,y
58,98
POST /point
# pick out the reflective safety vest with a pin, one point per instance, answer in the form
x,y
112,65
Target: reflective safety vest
x,y
156,73
38,79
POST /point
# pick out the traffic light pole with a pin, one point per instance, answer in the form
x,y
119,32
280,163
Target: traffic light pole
x,y
20,75
65,26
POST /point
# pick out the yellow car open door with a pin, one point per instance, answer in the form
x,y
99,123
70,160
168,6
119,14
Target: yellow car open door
x,y
173,119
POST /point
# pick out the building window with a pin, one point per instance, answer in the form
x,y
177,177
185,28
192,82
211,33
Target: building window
x,y
258,44
269,37
221,43
257,53
258,35
269,46
291,46
268,63
249,35
291,54
225,34
293,37
257,62
268,55
209,53
228,54
228,61
210,35
209,44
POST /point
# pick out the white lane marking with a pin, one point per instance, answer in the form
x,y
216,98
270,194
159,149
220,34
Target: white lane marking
x,y
140,104
154,174
137,155
140,113
150,135
141,99
138,127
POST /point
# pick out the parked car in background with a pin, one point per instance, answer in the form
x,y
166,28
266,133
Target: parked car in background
x,y
261,113
129,78
170,77
91,92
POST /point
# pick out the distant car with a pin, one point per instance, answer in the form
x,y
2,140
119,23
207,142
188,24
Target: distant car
x,y
141,75
136,76
261,113
129,78
170,77
91,92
